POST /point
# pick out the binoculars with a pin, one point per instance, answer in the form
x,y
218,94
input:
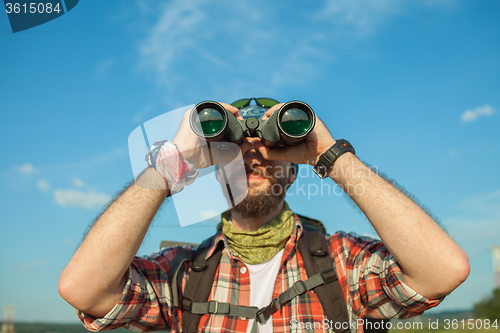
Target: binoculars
x,y
289,125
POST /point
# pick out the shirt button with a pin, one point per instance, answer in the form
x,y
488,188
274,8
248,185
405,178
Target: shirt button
x,y
243,270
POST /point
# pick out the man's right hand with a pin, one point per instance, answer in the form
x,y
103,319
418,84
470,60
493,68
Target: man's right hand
x,y
197,151
95,277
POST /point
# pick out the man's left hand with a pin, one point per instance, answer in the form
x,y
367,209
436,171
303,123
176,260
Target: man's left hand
x,y
306,152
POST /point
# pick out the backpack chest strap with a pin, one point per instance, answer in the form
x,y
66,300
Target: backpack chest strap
x,y
252,312
313,248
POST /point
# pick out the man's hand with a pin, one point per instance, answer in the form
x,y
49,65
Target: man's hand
x,y
94,279
432,263
201,153
306,152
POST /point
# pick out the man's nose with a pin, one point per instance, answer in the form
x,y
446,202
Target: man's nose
x,y
252,157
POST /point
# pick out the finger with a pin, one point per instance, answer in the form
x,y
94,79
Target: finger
x,y
229,153
231,109
278,154
245,147
321,133
319,121
186,116
271,110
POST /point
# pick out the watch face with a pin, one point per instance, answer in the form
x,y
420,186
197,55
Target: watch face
x,y
320,170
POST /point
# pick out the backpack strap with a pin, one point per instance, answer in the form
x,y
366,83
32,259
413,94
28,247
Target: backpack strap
x,y
311,224
261,316
318,246
319,268
314,251
199,283
175,269
201,278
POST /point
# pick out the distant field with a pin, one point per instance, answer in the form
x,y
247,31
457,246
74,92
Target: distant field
x,y
447,323
76,328
412,325
57,328
442,330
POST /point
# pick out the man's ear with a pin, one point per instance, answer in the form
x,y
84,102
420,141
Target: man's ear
x,y
292,170
218,174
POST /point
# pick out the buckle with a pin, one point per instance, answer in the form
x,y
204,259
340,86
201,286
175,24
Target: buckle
x,y
275,305
187,304
198,268
329,275
300,287
260,316
320,170
319,253
213,306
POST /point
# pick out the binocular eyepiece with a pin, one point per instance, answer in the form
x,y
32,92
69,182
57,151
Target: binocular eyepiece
x,y
289,125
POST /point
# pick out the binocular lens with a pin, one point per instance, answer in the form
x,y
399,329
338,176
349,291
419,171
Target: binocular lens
x,y
210,121
295,121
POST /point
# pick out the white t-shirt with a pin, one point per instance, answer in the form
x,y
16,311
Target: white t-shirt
x,y
262,278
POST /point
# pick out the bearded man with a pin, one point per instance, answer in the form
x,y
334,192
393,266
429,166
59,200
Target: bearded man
x,y
260,280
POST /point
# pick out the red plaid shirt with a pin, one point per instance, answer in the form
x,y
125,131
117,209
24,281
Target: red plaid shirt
x,y
370,278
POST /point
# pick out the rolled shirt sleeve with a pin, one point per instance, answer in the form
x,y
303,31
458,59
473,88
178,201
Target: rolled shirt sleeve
x,y
146,302
404,301
372,280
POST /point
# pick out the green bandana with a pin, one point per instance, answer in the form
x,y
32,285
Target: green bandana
x,y
255,247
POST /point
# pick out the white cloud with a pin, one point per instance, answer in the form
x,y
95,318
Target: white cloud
x,y
26,168
173,33
472,115
374,236
75,198
477,226
208,214
30,265
69,241
43,185
218,40
474,235
232,48
362,18
141,115
103,68
78,182
483,205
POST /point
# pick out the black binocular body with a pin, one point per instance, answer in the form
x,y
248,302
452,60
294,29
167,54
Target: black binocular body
x,y
289,125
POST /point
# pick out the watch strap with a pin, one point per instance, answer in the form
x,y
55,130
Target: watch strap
x,y
326,160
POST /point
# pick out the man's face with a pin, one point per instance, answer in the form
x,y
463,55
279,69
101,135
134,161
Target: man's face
x,y
267,184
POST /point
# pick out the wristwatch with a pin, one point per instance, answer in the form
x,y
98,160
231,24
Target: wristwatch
x,y
331,155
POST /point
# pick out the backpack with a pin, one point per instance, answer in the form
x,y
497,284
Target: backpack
x,y
321,272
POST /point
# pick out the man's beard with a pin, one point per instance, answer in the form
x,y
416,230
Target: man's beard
x,y
262,200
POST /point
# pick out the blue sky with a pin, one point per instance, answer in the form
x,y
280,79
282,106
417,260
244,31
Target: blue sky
x,y
413,85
